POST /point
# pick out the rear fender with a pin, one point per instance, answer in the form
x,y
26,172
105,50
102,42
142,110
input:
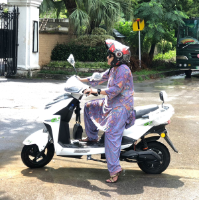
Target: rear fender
x,y
39,138
149,139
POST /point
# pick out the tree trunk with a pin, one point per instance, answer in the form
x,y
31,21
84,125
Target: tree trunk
x,y
152,50
93,24
70,6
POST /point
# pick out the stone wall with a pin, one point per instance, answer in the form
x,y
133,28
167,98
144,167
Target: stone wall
x,y
47,41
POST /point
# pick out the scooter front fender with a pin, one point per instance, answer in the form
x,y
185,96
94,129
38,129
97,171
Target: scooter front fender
x,y
39,138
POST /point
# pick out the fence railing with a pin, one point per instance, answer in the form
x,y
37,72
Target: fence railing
x,y
8,40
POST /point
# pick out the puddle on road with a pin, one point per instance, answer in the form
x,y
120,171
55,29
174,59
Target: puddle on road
x,y
173,82
179,82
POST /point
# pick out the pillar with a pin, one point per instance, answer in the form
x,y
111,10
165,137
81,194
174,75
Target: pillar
x,y
29,13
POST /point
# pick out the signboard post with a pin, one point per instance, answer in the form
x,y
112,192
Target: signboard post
x,y
138,25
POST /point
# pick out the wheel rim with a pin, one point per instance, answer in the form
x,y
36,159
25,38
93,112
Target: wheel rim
x,y
158,164
32,155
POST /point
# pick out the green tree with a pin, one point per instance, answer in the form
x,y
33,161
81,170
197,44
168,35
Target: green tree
x,y
161,17
190,7
51,8
91,13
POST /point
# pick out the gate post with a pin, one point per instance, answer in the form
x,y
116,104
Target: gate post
x,y
28,57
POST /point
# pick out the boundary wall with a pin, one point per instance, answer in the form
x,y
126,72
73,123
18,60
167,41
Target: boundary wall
x,y
47,41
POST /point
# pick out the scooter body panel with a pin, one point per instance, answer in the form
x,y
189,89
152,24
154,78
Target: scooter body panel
x,y
136,132
155,118
54,123
39,138
61,151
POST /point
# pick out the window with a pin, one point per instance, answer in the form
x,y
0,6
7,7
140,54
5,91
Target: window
x,y
35,37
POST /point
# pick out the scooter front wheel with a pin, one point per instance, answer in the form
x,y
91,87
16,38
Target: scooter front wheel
x,y
30,158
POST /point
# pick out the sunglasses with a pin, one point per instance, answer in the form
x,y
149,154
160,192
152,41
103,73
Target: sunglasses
x,y
110,55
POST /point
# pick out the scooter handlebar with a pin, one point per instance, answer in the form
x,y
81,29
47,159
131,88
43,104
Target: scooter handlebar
x,y
94,94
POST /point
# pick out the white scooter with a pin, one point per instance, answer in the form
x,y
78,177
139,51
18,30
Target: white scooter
x,y
139,142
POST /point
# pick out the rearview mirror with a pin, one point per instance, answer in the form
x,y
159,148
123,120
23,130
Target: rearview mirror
x,y
163,96
71,60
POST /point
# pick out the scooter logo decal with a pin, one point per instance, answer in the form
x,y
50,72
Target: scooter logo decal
x,y
148,123
81,151
55,119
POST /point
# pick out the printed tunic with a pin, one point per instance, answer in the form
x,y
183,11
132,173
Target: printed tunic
x,y
112,114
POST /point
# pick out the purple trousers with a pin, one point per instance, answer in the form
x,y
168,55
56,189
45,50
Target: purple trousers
x,y
113,122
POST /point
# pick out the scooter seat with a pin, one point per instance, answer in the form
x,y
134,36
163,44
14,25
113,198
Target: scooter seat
x,y
145,110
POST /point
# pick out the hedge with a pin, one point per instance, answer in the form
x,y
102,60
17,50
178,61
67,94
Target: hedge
x,y
66,64
80,52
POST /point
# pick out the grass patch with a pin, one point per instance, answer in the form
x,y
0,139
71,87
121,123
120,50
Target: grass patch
x,y
167,56
145,72
162,76
140,78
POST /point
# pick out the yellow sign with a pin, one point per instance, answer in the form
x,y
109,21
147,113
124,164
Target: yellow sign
x,y
138,25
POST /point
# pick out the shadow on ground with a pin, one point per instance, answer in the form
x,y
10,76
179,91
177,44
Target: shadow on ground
x,y
12,134
131,182
4,196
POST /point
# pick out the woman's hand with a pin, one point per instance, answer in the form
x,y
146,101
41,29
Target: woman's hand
x,y
90,91
82,79
78,78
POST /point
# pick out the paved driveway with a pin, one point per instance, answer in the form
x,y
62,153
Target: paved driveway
x,y
21,101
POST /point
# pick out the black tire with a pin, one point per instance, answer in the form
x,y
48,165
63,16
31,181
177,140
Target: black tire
x,y
29,152
188,73
160,166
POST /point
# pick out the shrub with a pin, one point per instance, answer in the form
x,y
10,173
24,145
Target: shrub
x,y
134,64
167,56
92,40
84,48
81,53
148,64
99,31
66,64
164,46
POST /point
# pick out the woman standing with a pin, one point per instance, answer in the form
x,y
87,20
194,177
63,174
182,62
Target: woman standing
x,y
113,113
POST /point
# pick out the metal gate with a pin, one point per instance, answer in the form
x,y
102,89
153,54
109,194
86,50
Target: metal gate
x,y
8,40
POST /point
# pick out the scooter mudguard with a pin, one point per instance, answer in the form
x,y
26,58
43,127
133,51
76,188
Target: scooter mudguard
x,y
39,138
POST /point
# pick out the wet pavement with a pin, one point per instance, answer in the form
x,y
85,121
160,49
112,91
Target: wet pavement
x,y
22,100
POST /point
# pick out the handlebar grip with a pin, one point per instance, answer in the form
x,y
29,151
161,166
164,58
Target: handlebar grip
x,y
94,94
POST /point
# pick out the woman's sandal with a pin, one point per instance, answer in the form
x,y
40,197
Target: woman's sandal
x,y
87,140
110,180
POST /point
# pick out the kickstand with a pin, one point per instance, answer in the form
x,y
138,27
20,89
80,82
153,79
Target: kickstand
x,y
90,158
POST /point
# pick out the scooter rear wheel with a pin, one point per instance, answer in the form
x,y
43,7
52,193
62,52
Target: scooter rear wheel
x,y
159,166
29,155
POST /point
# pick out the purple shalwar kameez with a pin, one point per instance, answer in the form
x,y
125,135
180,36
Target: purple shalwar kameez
x,y
112,114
